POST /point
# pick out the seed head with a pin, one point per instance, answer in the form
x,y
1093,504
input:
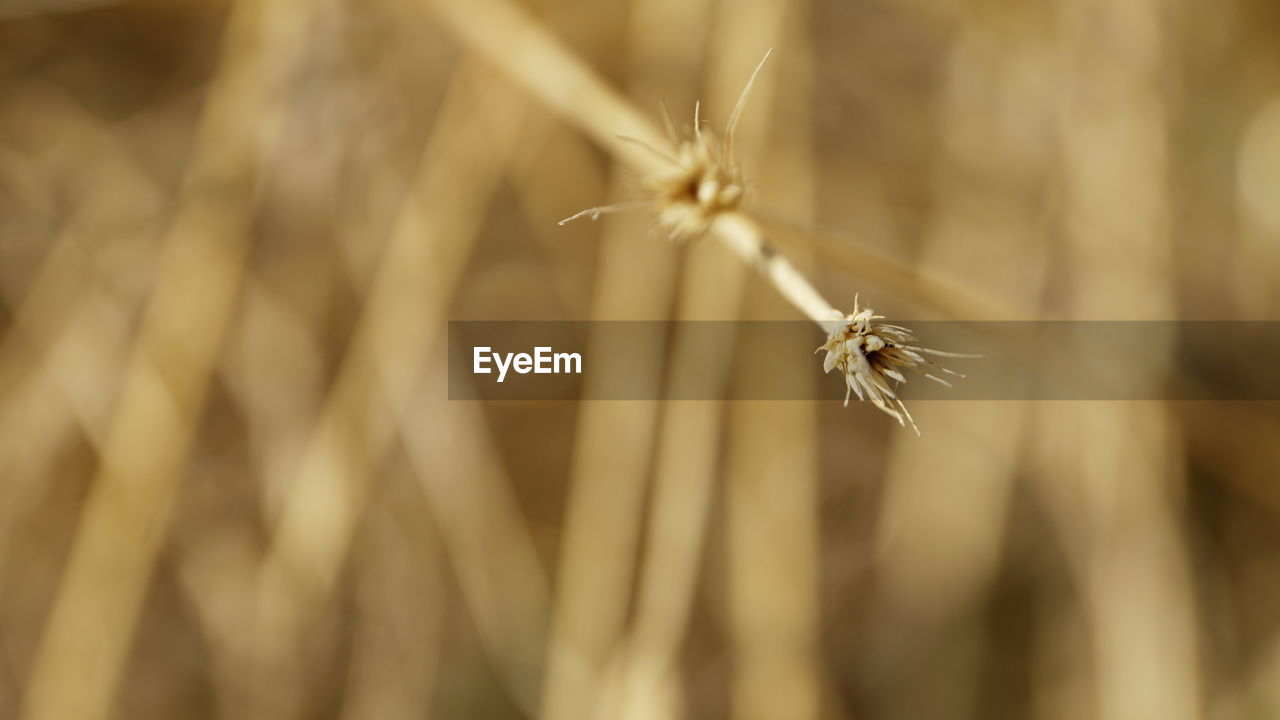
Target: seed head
x,y
702,179
870,353
703,182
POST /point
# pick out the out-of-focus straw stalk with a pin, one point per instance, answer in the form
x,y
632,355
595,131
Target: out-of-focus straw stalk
x,y
647,680
770,488
614,440
90,628
399,325
1108,470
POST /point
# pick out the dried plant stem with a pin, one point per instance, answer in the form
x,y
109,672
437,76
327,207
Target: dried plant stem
x,y
688,452
85,646
516,42
1127,547
982,446
613,443
745,238
428,249
483,532
60,337
770,492
400,611
699,192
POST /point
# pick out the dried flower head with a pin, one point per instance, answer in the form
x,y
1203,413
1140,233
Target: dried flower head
x,y
870,354
703,179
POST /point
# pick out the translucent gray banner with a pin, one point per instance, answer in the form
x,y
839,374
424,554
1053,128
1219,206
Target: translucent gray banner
x,y
1182,361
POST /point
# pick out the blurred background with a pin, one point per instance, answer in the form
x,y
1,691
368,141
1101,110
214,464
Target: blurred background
x,y
232,485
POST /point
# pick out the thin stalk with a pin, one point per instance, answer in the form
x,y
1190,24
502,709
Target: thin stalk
x,y
517,43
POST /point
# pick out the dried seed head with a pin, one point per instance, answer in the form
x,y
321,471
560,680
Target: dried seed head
x,y
869,354
703,179
701,184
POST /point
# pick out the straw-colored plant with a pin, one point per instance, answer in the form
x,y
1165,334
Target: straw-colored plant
x,y
702,183
695,184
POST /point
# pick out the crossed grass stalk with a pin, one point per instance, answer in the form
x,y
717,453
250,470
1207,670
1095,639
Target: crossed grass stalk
x,y
696,187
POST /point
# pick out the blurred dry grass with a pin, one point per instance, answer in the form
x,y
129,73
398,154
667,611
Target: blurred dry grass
x,y
232,485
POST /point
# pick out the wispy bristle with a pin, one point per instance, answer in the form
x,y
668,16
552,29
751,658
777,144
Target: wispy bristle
x,y
596,212
732,125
